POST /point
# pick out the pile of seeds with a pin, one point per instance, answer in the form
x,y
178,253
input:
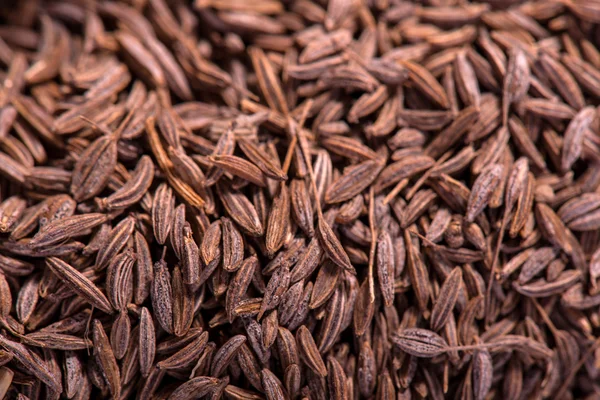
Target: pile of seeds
x,y
300,199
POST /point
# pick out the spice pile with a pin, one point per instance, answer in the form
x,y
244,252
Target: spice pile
x,y
300,199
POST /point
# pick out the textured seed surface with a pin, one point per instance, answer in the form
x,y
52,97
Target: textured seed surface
x,y
299,199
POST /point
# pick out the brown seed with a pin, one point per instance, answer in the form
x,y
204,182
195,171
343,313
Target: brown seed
x,y
272,386
197,386
163,209
426,83
117,239
61,229
120,335
239,167
134,189
420,342
11,211
516,80
355,179
119,285
278,284
79,283
563,81
225,354
482,190
574,134
93,168
449,136
279,220
446,300
187,355
302,206
332,246
418,273
32,362
325,284
143,273
147,342
106,359
482,374
270,85
309,352
241,210
162,296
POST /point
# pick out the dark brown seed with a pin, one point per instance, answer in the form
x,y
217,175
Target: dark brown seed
x,y
386,268
239,284
226,354
573,140
143,272
79,283
94,167
62,229
272,386
426,83
418,273
120,335
482,190
163,209
278,222
196,387
420,342
325,284
278,284
134,189
332,246
162,296
302,206
446,300
147,342
233,246
190,257
241,210
516,80
116,240
355,179
32,362
106,359
187,355
482,374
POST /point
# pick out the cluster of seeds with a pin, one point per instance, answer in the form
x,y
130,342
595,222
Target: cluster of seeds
x,y
299,199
